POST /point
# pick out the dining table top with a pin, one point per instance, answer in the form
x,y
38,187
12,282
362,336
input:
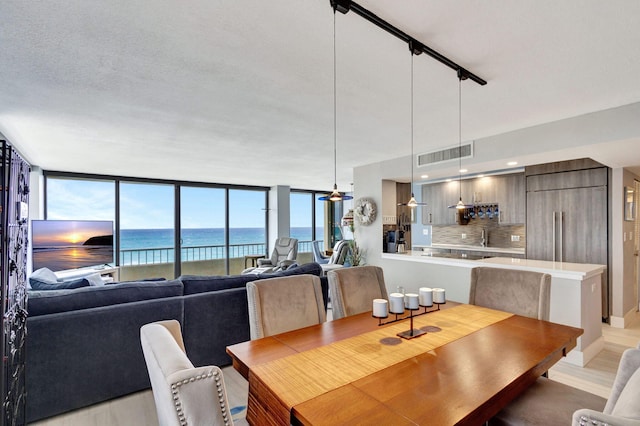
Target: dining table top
x,y
471,362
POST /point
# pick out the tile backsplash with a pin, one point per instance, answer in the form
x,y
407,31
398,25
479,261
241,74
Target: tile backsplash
x,y
498,235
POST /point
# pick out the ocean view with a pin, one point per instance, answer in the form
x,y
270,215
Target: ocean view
x,y
132,239
141,246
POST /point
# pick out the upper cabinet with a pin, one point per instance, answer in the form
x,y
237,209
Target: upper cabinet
x,y
511,197
507,191
439,196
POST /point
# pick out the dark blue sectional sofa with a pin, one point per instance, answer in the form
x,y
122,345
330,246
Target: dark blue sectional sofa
x,y
83,345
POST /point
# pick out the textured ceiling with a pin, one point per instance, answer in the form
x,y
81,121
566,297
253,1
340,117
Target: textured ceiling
x,y
242,91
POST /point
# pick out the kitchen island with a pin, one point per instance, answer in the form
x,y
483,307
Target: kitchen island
x,y
575,292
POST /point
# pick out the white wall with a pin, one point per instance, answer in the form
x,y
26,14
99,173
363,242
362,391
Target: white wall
x,y
623,283
571,138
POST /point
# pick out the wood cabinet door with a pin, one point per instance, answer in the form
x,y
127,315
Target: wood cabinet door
x,y
583,230
510,195
542,208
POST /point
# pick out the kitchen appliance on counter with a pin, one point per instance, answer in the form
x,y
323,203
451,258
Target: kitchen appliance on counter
x,y
394,242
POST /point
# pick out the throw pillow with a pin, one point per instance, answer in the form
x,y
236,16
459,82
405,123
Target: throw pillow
x,y
627,404
95,280
37,284
44,274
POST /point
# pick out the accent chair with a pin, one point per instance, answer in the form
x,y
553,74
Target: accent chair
x,y
284,254
548,402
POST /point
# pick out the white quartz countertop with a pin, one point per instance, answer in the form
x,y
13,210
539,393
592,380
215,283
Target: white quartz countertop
x,y
474,248
574,271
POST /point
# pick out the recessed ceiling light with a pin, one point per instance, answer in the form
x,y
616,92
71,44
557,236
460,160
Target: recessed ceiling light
x,y
512,163
424,176
463,170
448,180
480,176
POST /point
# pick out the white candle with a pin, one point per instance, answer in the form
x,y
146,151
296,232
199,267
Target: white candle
x,y
380,308
411,301
396,303
438,295
426,296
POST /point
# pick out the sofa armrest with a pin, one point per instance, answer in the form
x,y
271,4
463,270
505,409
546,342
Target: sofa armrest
x,y
587,416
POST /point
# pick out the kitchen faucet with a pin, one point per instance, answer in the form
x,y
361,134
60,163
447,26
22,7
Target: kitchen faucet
x,y
484,242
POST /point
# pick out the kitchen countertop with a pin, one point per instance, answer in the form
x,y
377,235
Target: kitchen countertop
x,y
506,250
573,271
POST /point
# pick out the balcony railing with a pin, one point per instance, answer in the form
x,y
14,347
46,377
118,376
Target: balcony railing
x,y
196,253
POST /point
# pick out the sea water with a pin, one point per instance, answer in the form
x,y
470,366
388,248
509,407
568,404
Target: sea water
x,y
140,246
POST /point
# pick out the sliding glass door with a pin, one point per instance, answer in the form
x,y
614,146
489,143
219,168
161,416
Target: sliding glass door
x,y
147,238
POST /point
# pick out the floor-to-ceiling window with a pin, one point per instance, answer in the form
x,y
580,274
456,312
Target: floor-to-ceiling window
x,y
147,232
80,199
203,234
247,226
216,224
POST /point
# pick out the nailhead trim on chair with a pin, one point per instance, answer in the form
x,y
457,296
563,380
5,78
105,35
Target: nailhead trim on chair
x,y
586,421
178,404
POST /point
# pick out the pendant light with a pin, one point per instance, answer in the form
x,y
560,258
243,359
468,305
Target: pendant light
x,y
461,76
335,194
415,50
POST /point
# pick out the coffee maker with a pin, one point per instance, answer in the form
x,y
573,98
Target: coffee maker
x,y
394,242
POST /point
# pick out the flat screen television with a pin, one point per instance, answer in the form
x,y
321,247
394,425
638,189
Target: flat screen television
x,y
70,244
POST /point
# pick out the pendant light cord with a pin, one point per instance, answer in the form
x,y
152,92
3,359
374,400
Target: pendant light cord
x,y
412,123
335,114
460,135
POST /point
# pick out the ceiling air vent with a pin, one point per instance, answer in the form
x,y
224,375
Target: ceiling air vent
x,y
448,154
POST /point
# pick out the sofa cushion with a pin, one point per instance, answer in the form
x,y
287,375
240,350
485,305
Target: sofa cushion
x,y
199,284
38,284
53,301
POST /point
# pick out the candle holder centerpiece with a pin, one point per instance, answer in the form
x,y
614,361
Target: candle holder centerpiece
x,y
412,302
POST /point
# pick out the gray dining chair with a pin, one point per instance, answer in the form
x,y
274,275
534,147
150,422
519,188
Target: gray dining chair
x,y
277,305
548,402
183,394
525,293
352,290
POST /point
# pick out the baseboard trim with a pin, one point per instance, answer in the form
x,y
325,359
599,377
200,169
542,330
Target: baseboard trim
x,y
623,322
582,358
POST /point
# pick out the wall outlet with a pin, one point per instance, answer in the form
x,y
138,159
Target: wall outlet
x,y
464,236
515,238
425,231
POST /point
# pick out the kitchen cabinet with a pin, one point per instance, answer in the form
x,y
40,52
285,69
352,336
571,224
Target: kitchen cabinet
x,y
508,191
439,196
511,198
567,219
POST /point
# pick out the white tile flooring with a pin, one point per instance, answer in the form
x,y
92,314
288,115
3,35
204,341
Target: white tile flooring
x,y
138,409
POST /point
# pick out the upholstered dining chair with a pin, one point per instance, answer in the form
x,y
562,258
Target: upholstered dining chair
x,y
525,293
283,304
183,393
548,402
352,290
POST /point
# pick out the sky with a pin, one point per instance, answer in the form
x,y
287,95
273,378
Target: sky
x,y
151,206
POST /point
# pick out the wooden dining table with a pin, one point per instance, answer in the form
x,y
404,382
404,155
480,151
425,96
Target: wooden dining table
x,y
471,362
